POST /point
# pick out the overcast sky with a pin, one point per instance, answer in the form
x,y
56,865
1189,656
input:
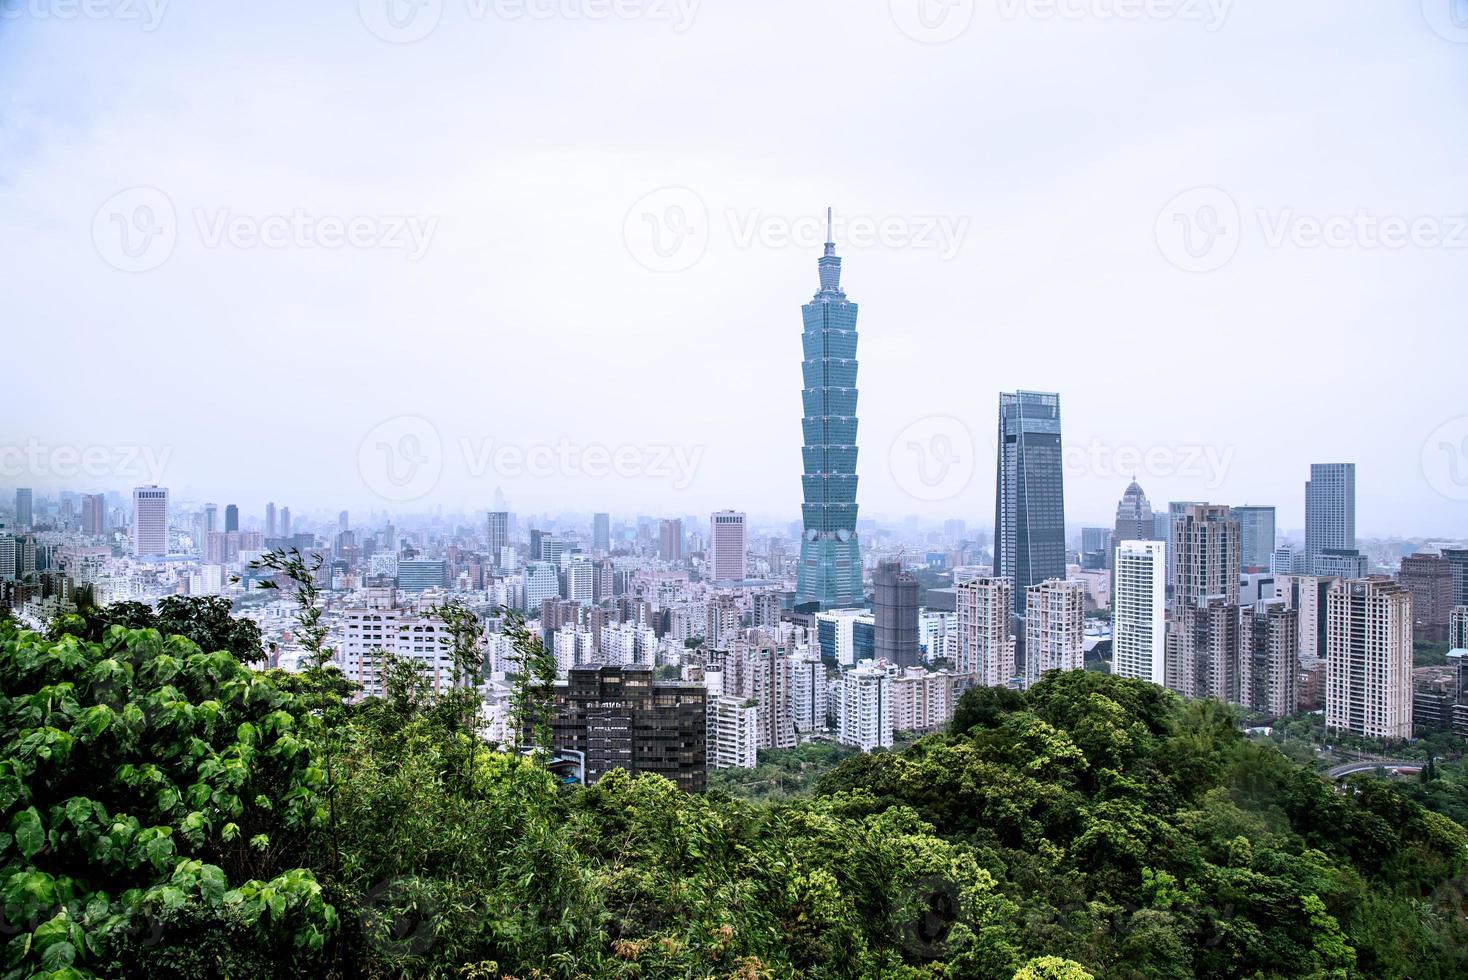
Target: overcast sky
x,y
359,255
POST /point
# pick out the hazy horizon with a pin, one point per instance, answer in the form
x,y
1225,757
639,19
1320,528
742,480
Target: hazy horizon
x,y
462,262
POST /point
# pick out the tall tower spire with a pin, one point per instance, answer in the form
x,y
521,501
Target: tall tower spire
x,y
830,551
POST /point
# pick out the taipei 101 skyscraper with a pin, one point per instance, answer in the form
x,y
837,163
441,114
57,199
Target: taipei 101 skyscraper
x,y
830,554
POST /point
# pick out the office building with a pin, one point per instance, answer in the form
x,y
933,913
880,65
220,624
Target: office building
x,y
601,533
1138,611
497,536
1458,628
1095,546
285,522
1029,499
726,546
1306,595
1457,574
232,518
94,514
1368,659
1340,563
420,574
24,508
986,654
150,520
829,574
1256,537
541,582
864,708
1330,510
270,523
1430,580
620,718
1055,628
895,615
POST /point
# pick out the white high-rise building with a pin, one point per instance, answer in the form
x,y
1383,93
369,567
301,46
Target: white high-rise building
x,y
380,626
1458,628
733,733
1305,595
864,708
541,583
985,632
808,692
922,700
1055,628
727,545
1368,658
579,576
150,520
1138,604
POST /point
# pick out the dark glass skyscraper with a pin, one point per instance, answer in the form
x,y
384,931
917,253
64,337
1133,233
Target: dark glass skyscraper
x,y
1029,500
830,555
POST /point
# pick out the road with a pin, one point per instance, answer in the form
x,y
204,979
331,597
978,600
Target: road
x,y
1367,765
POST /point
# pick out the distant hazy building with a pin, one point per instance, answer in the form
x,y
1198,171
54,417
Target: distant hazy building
x,y
1055,628
670,540
1095,547
580,575
1135,521
1270,662
1256,537
1138,604
1330,510
601,533
94,514
150,520
727,545
1029,509
1288,560
864,708
895,615
1368,688
620,718
986,640
232,519
285,522
24,508
270,524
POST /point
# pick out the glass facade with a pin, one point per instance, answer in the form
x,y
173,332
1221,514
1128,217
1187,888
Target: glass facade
x,y
1029,508
830,554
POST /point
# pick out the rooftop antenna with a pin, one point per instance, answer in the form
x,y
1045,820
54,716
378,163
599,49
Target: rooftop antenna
x,y
830,235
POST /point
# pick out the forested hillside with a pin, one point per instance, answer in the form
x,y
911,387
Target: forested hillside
x,y
169,812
